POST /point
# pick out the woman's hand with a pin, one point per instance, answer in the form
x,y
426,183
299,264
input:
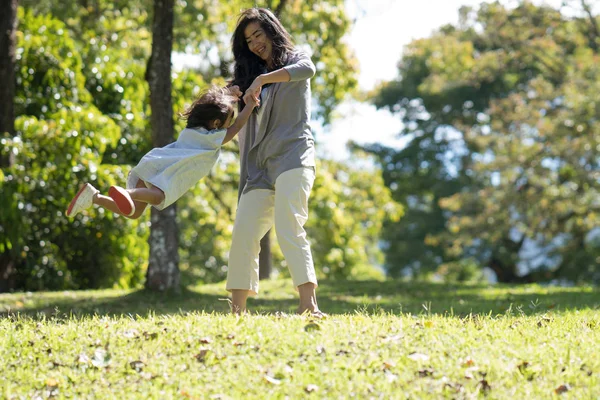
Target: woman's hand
x,y
254,89
251,101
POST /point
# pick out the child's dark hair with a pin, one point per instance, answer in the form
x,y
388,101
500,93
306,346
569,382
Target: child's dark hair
x,y
215,103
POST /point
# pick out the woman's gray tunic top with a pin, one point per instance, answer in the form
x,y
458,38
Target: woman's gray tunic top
x,y
283,140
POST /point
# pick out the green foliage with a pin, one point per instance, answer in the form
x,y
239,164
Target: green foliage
x,y
501,112
55,154
48,78
348,208
51,252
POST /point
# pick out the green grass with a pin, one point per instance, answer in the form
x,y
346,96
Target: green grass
x,y
388,340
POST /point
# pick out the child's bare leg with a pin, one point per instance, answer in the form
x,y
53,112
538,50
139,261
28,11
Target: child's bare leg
x,y
108,203
152,195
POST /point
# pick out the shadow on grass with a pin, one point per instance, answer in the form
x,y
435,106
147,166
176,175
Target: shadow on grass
x,y
457,299
335,297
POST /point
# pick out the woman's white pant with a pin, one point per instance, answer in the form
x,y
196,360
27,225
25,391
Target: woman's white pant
x,y
287,205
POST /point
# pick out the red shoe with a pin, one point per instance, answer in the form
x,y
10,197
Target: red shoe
x,y
122,200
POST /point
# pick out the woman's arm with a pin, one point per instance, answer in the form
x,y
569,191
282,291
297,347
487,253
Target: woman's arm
x,y
279,75
303,68
241,120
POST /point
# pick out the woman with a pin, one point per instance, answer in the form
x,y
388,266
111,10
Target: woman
x,y
277,157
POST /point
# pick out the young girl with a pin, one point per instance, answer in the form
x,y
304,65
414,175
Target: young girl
x,y
165,174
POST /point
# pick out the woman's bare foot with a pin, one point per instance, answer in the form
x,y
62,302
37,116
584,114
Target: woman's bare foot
x,y
308,301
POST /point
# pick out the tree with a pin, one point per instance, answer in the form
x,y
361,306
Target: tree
x,y
163,266
8,27
499,110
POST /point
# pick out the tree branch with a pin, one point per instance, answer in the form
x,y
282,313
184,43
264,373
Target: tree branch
x,y
280,8
593,24
218,197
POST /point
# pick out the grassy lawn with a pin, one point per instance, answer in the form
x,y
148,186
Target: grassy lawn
x,y
389,340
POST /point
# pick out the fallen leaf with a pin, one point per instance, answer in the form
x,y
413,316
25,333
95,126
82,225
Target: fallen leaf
x,y
523,366
543,321
205,340
101,358
272,380
388,364
562,389
83,359
137,365
311,388
313,326
391,377
394,338
131,333
147,375
468,362
586,369
202,355
51,383
456,387
55,364
149,336
418,356
485,386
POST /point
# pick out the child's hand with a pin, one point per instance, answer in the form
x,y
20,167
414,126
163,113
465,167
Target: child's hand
x,y
234,91
254,89
250,100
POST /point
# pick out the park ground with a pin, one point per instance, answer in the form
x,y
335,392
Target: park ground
x,y
382,339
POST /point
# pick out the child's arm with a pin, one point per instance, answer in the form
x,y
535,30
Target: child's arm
x,y
240,121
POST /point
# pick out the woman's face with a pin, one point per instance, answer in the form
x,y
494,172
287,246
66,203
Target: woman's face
x,y
257,41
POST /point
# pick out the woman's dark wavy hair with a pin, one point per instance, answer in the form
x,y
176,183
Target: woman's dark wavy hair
x,y
214,103
247,64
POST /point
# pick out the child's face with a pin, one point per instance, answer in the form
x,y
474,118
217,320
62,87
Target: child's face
x,y
229,120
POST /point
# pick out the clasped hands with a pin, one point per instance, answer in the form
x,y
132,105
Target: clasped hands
x,y
252,94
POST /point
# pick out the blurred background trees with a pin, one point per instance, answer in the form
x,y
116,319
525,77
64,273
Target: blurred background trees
x,y
501,169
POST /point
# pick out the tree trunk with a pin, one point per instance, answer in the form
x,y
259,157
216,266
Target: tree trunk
x,y
264,257
8,28
163,264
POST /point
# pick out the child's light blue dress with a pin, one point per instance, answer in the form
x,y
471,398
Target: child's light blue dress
x,y
177,167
